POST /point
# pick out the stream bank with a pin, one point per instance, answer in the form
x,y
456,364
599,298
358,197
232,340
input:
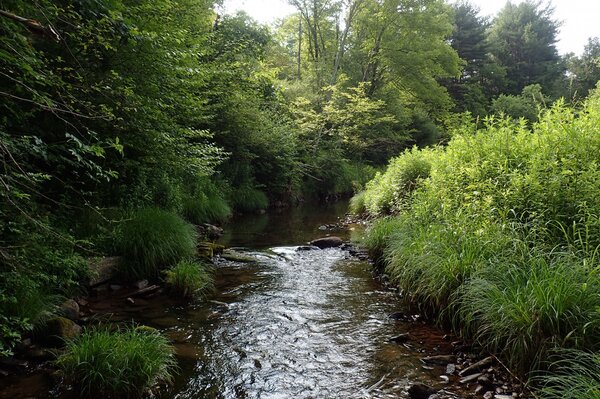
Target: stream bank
x,y
285,322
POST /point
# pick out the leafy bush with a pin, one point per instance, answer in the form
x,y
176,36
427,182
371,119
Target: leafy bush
x,y
152,240
388,192
119,363
248,199
189,279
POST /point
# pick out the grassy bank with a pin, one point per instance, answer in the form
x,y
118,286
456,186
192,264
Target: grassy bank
x,y
497,236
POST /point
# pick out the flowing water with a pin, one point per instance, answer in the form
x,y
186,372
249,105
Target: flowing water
x,y
291,323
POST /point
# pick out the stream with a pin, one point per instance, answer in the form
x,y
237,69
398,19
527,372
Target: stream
x,y
290,323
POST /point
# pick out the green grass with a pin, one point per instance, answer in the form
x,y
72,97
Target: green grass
x,y
123,363
576,375
151,240
248,199
523,307
357,204
206,208
189,279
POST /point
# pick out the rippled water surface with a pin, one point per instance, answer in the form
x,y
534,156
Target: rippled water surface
x,y
291,324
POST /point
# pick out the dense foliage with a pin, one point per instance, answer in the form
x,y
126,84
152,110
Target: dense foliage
x,y
120,119
497,233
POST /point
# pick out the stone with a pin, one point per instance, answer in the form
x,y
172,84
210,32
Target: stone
x,y
327,242
70,309
102,269
439,359
451,368
140,284
470,378
212,231
480,365
130,301
115,287
400,339
306,248
57,330
421,391
488,395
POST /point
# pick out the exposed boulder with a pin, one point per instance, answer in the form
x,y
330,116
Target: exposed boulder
x,y
102,269
70,309
421,391
327,242
57,330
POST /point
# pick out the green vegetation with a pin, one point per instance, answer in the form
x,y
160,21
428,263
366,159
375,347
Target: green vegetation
x,y
122,363
151,240
189,279
121,118
576,376
497,234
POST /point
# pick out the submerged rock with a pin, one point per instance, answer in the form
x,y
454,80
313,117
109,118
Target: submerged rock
x,y
327,242
421,391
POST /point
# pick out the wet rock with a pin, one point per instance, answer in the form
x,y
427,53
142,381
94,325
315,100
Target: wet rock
x,y
439,359
451,368
70,309
327,242
235,256
12,364
58,330
306,248
130,301
212,232
421,391
488,395
40,354
503,397
209,249
480,365
485,381
140,284
102,269
470,378
115,287
4,373
400,339
398,316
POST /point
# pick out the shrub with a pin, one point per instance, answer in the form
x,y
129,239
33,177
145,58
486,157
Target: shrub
x,y
189,279
576,375
119,363
388,192
248,199
152,240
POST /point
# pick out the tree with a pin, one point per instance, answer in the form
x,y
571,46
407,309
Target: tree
x,y
584,71
522,40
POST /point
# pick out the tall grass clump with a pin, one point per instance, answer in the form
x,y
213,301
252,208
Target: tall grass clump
x,y
576,375
388,192
205,203
206,208
151,240
523,307
357,204
123,363
379,234
249,199
189,279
